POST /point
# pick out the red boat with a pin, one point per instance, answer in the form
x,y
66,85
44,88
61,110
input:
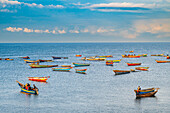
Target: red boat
x,y
38,79
168,57
133,64
27,57
162,61
78,55
142,68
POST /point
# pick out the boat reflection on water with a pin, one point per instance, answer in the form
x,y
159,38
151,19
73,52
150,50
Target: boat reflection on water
x,y
139,101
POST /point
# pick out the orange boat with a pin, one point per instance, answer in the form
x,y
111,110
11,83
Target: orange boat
x,y
78,55
38,79
130,56
133,64
142,68
162,61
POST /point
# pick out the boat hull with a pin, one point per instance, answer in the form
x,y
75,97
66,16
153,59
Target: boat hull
x,y
133,64
80,65
42,66
119,72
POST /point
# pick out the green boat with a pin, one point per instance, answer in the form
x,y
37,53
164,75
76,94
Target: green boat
x,y
41,66
80,64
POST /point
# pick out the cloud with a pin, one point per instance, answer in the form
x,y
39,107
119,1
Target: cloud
x,y
120,7
61,31
74,31
8,11
27,30
13,29
55,6
84,30
10,2
153,26
7,2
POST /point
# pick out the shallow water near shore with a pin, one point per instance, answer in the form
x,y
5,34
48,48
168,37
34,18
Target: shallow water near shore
x,y
99,90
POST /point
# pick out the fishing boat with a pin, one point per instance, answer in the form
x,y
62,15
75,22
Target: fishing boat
x,y
143,55
114,61
158,55
78,55
61,69
118,72
65,65
41,66
96,59
38,79
142,68
108,56
133,64
129,51
8,59
130,56
109,63
162,61
80,64
33,91
59,57
40,60
31,61
82,71
26,57
150,92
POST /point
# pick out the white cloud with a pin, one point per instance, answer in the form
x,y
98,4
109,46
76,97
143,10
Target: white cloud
x,y
84,30
53,32
61,31
8,11
13,29
33,5
55,6
27,30
153,26
46,31
74,31
10,2
38,31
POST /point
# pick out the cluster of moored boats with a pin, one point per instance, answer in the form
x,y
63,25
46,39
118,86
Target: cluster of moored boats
x,y
67,68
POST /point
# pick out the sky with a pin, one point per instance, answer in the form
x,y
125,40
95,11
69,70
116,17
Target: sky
x,y
72,21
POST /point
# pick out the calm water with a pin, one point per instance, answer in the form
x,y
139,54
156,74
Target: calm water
x,y
97,91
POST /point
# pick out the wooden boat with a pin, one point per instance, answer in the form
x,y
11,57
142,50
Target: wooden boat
x,y
143,55
33,91
78,55
150,92
129,51
65,65
40,60
158,55
96,59
8,59
133,64
168,57
118,72
80,64
26,57
82,71
162,61
41,66
109,63
108,56
59,57
142,68
114,61
61,69
130,56
38,79
31,61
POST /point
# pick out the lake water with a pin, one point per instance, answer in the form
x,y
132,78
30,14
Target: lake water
x,y
97,91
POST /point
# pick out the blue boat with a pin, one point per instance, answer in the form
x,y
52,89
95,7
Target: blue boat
x,y
27,91
80,64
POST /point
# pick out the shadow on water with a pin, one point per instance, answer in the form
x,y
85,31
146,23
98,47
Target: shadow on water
x,y
139,101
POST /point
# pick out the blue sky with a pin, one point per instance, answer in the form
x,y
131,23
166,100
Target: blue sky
x,y
23,21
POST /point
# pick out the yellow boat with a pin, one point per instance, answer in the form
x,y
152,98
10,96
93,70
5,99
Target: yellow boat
x,y
96,59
